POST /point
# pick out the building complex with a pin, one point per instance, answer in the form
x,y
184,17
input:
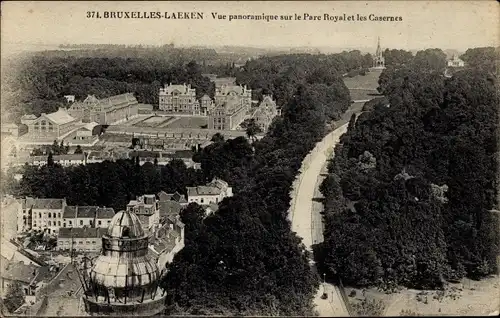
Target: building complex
x,y
106,111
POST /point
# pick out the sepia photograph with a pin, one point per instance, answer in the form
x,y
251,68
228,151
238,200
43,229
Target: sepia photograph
x,y
250,158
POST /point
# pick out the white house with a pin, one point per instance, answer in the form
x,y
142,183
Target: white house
x,y
456,62
214,192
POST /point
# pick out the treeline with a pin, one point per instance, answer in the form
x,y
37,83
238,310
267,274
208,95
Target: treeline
x,y
411,186
280,75
484,58
40,83
244,259
110,184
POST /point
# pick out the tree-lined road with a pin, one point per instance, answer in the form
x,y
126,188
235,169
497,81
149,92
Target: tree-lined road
x,y
306,217
305,212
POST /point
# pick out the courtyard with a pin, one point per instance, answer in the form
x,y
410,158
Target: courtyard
x,y
194,122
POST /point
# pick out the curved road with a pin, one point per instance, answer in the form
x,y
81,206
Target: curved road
x,y
307,220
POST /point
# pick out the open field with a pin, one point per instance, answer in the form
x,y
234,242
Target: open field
x,y
187,122
368,82
469,298
363,94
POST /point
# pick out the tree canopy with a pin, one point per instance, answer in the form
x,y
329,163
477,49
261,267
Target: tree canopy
x,y
411,185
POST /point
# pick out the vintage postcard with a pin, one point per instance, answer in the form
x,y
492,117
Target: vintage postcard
x,y
250,158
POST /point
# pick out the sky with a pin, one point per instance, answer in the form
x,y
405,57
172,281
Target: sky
x,y
425,24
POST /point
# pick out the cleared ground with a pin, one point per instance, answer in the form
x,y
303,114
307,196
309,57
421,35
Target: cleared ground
x,y
187,122
153,121
469,298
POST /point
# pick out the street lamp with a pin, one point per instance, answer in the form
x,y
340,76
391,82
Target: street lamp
x,y
325,295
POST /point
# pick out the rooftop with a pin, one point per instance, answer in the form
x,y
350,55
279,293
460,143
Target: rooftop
x,y
203,190
43,204
71,212
84,232
19,272
60,117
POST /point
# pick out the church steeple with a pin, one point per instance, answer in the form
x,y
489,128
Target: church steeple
x,y
379,61
379,50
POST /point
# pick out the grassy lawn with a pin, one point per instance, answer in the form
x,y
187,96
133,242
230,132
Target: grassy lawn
x,y
369,81
360,94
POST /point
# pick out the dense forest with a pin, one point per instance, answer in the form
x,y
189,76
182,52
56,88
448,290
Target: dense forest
x,y
244,259
110,184
411,187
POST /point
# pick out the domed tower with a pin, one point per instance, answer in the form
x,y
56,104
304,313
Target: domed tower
x,y
124,279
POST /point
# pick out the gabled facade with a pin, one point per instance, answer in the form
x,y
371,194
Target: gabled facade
x,y
179,99
213,192
265,113
51,126
106,111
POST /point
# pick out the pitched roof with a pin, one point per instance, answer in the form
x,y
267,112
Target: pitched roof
x,y
177,197
19,272
105,213
91,99
86,211
43,204
203,190
81,232
60,117
71,212
205,97
28,117
90,126
118,100
169,208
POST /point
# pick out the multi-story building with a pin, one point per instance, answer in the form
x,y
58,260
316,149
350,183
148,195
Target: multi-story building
x,y
90,216
213,192
265,113
227,116
43,214
237,94
106,111
179,99
231,106
53,214
147,210
167,241
81,239
63,160
53,126
206,105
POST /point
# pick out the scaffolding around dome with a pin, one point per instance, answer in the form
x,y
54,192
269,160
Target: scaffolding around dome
x,y
124,279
